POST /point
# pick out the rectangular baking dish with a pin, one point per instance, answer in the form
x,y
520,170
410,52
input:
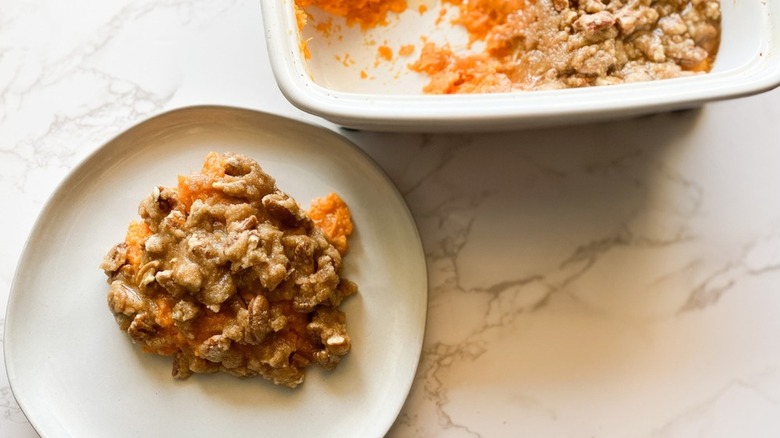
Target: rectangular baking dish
x,y
388,97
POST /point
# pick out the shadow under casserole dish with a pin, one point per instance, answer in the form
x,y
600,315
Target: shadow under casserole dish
x,y
226,272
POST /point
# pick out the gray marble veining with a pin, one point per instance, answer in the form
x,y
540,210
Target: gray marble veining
x,y
618,279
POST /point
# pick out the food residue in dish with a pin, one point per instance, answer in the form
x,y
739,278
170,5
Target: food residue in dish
x,y
225,272
366,13
346,60
385,52
524,45
406,50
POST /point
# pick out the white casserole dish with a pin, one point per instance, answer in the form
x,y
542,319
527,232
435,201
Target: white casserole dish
x,y
325,85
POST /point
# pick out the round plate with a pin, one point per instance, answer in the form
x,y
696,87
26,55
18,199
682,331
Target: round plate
x,y
74,373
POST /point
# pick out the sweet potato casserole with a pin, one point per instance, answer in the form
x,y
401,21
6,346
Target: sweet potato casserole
x,y
523,45
225,272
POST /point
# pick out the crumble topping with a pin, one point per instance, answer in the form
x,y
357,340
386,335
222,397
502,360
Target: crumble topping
x,y
225,272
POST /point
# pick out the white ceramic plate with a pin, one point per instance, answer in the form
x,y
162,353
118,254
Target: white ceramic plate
x,y
330,85
75,374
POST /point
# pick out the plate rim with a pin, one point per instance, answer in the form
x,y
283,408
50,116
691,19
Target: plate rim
x,y
33,416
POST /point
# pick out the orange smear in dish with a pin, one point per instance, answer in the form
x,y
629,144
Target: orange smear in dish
x,y
479,17
479,73
301,19
406,50
366,13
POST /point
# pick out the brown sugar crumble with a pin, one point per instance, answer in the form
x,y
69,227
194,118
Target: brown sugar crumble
x,y
225,272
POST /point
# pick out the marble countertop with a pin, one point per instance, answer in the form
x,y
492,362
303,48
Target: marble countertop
x,y
619,279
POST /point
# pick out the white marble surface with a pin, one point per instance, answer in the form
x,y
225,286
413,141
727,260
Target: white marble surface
x,y
613,280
